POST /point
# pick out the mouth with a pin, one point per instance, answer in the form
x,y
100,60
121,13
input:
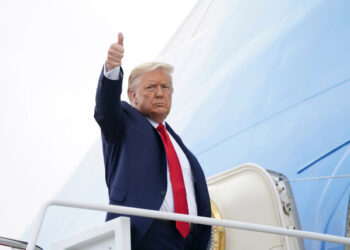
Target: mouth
x,y
160,104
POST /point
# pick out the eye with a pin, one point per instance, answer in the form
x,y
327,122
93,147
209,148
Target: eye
x,y
149,87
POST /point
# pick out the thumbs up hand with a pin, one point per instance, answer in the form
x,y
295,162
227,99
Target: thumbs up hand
x,y
115,53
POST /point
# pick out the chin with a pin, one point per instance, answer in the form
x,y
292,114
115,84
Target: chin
x,y
161,110
161,113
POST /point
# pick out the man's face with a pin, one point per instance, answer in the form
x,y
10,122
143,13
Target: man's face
x,y
152,96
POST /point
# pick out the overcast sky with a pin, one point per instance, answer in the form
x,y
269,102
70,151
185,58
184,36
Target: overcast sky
x,y
51,55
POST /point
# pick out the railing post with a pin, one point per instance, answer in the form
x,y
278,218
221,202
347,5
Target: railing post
x,y
37,226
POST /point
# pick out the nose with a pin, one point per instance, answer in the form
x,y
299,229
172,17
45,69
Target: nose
x,y
159,91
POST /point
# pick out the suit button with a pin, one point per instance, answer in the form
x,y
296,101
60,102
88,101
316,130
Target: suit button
x,y
162,193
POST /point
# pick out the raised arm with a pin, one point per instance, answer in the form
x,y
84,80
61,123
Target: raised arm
x,y
108,113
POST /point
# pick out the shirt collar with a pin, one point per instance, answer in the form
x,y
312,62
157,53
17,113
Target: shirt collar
x,y
153,123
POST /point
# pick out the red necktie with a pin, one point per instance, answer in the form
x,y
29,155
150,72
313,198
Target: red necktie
x,y
177,181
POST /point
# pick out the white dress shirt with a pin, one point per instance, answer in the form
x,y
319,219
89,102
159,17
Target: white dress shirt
x,y
168,203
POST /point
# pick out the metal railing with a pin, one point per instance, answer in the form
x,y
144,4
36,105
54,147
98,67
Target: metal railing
x,y
15,244
178,217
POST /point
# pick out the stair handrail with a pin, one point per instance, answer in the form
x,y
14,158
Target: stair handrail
x,y
177,217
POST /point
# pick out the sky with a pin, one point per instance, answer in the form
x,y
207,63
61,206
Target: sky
x,y
51,55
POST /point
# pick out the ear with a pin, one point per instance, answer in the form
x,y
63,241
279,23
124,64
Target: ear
x,y
132,96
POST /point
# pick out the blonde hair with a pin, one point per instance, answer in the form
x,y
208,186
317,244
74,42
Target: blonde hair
x,y
144,68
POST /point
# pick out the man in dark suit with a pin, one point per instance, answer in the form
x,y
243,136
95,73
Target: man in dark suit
x,y
146,163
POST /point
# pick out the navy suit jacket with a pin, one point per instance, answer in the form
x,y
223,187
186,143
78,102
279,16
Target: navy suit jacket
x,y
135,161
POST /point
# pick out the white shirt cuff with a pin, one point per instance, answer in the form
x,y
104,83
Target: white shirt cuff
x,y
113,74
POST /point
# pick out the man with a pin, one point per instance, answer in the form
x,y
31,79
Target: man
x,y
146,163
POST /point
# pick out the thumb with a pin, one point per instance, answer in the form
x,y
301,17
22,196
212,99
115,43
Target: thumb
x,y
120,38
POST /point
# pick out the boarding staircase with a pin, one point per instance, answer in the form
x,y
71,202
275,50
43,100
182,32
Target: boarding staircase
x,y
252,208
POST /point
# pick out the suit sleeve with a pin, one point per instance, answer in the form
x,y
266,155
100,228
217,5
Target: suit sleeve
x,y
108,111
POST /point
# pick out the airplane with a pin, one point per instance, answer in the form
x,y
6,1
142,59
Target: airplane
x,y
261,82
